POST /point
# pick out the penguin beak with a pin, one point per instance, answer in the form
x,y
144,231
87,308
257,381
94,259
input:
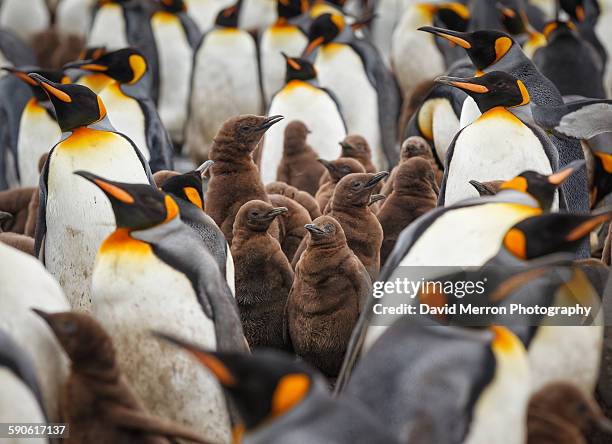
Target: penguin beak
x,y
375,198
208,359
50,88
20,75
203,169
275,212
458,38
5,217
604,424
468,84
43,314
377,178
507,12
327,164
346,145
110,189
481,188
563,174
313,45
291,62
587,226
580,13
268,122
86,65
314,230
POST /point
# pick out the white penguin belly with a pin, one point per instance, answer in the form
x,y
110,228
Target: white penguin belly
x,y
469,112
126,116
603,29
135,292
18,404
175,63
257,14
498,146
341,70
414,54
73,16
230,270
437,121
318,111
78,214
382,28
204,12
108,28
19,296
38,133
276,39
225,84
25,18
4,62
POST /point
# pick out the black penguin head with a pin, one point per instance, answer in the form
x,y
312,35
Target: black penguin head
x,y
513,20
454,16
483,47
541,187
559,28
188,186
264,385
539,236
82,338
574,8
354,190
75,105
257,216
136,206
493,89
54,75
173,6
299,69
324,29
228,17
126,65
325,231
288,9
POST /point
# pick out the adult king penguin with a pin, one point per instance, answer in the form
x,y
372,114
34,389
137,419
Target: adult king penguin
x,y
225,81
496,51
25,18
130,109
175,35
302,99
346,64
501,143
109,25
38,129
72,219
151,255
282,37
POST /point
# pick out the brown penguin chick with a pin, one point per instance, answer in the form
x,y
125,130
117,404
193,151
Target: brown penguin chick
x,y
414,146
560,413
263,274
489,188
234,177
15,201
299,166
337,170
162,175
291,224
19,241
414,194
301,197
97,400
356,147
330,288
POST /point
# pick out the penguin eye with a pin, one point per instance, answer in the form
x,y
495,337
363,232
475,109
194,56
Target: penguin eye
x,y
253,214
356,184
344,170
329,228
245,128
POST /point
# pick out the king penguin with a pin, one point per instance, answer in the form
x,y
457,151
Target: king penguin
x,y
38,129
345,64
96,81
19,295
14,51
282,37
496,51
176,35
302,99
130,109
204,12
154,272
21,399
72,219
501,143
25,18
186,189
109,25
225,81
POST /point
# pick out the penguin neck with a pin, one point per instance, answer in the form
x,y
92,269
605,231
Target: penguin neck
x,y
523,113
341,205
243,235
509,61
230,159
414,188
292,83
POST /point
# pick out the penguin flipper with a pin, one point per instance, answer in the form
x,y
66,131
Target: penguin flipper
x,y
331,94
41,217
449,157
16,50
158,139
582,119
125,417
143,161
194,35
553,157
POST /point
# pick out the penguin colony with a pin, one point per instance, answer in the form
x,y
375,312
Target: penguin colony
x,y
210,213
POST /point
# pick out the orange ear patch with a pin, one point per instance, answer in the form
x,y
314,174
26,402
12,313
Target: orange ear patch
x,y
502,46
193,196
139,67
172,208
518,183
516,243
524,93
115,191
290,390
